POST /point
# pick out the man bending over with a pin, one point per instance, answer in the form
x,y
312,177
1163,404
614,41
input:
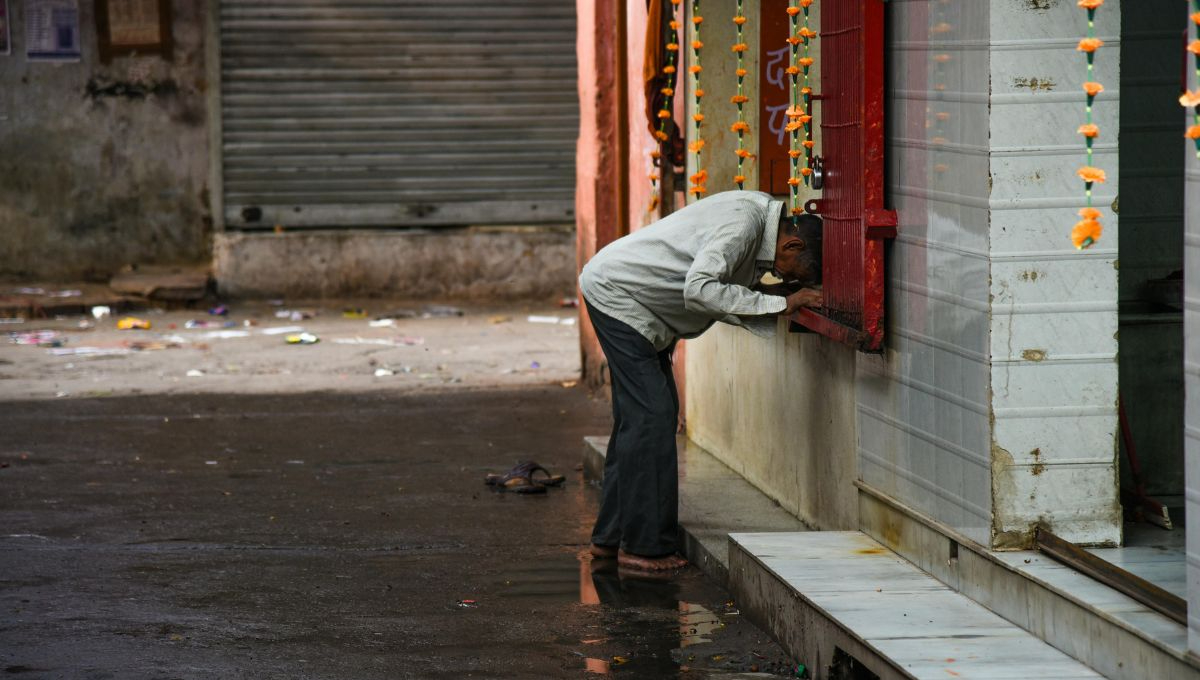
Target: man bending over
x,y
672,280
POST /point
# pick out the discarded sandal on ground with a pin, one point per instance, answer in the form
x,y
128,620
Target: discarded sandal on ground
x,y
521,479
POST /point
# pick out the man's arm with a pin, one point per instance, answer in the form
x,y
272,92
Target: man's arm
x,y
706,289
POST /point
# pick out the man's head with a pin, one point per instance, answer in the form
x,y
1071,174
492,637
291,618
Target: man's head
x,y
798,250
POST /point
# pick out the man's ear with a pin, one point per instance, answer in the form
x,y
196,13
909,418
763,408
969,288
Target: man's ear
x,y
794,244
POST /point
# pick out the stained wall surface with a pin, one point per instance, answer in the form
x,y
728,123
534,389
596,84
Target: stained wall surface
x,y
923,406
1192,379
103,165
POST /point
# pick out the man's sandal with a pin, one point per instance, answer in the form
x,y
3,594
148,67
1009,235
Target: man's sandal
x,y
521,479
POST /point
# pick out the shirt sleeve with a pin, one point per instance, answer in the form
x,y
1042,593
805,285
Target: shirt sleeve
x,y
708,289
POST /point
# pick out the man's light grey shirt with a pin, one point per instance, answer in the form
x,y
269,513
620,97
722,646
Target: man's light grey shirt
x,y
674,278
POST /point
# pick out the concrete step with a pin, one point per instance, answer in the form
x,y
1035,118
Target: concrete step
x,y
849,606
713,501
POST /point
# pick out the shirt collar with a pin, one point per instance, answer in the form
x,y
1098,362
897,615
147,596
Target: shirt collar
x,y
766,251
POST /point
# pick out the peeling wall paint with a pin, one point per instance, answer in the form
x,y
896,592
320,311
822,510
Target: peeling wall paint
x,y
103,165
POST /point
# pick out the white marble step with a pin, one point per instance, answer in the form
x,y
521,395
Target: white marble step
x,y
914,622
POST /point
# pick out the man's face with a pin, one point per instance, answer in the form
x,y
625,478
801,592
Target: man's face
x,y
794,263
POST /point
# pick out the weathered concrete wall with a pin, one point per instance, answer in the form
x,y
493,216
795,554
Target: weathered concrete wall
x,y
476,263
103,165
1191,364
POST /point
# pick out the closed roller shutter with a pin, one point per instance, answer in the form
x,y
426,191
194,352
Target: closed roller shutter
x,y
397,112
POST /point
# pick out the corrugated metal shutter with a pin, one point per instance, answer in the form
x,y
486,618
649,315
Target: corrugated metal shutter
x,y
397,112
852,202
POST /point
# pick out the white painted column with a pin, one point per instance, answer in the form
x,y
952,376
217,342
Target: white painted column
x,y
1191,354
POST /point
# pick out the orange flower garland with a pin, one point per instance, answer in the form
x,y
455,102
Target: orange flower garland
x,y
1192,99
665,113
1088,230
799,114
701,176
740,99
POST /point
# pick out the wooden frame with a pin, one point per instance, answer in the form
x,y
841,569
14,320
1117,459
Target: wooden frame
x,y
164,47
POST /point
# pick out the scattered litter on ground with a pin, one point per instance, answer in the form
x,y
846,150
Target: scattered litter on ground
x,y
101,311
295,314
151,345
282,330
499,318
13,320
535,365
226,335
294,462
397,314
88,351
200,323
131,323
569,383
534,318
385,342
197,373
219,310
432,311
38,338
384,372
356,313
302,339
51,293
466,604
569,302
382,323
211,462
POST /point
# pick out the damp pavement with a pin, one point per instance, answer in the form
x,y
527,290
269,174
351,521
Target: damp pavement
x,y
330,535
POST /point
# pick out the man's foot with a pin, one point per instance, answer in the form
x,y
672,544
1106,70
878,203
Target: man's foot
x,y
643,563
603,551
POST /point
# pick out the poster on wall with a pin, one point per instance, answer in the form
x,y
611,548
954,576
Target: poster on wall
x,y
5,36
52,30
133,28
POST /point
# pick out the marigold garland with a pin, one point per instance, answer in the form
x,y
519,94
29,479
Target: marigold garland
x,y
665,113
800,112
1191,99
1088,230
698,188
740,99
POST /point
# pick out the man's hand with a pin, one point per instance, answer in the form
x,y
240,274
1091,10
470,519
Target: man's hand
x,y
807,297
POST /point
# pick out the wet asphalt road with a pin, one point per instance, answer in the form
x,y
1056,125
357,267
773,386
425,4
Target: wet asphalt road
x,y
328,536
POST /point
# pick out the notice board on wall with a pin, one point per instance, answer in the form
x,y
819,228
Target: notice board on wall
x,y
133,27
52,30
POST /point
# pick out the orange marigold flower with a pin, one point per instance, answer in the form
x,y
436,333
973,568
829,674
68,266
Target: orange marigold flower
x,y
740,47
942,58
793,40
698,93
794,181
676,2
793,126
661,136
696,44
740,126
668,69
807,33
1090,4
739,179
806,90
1190,99
793,70
805,3
700,177
1089,213
795,153
1193,132
698,117
672,47
739,99
806,119
1086,233
943,27
794,112
697,20
1196,18
698,189
1194,47
739,20
670,92
806,171
674,25
695,146
664,114
1090,44
805,61
743,153
1089,174
695,68
1089,130
808,143
740,73
654,177
1093,89
943,116
797,211
793,11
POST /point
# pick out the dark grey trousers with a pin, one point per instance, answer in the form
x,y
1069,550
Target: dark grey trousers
x,y
639,504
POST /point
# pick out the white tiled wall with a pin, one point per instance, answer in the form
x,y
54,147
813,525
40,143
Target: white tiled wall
x,y
1054,309
923,406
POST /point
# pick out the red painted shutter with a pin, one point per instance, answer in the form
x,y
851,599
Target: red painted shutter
x,y
852,125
